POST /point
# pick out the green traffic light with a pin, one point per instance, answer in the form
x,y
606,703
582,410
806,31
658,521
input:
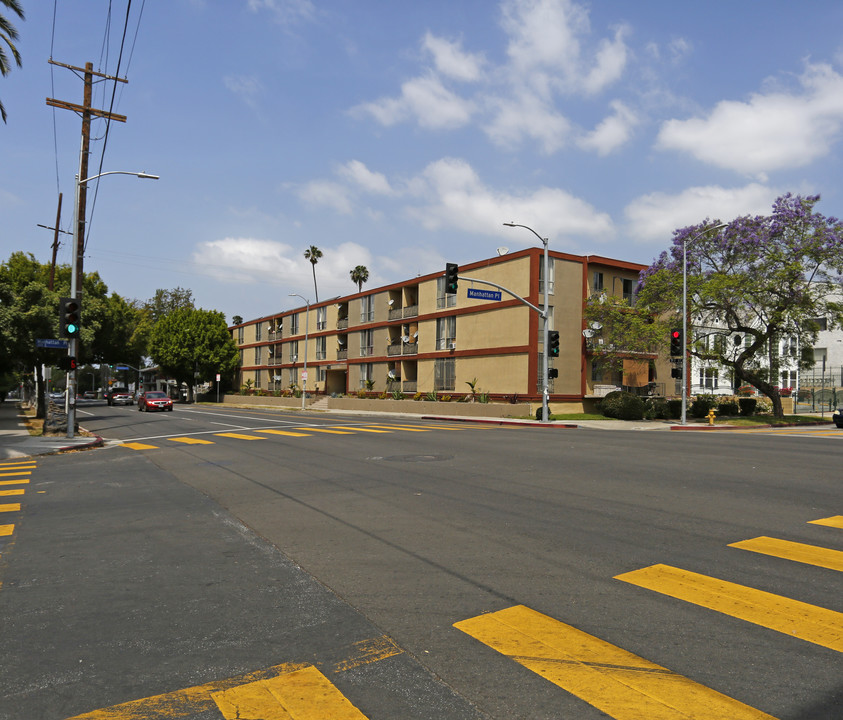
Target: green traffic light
x,y
72,329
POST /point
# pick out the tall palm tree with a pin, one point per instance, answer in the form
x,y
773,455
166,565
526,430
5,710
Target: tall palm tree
x,y
359,275
313,254
7,35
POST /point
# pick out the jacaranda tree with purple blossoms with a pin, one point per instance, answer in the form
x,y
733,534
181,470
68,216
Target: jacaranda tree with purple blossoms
x,y
750,284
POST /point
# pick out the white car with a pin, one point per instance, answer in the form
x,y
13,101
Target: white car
x,y
121,397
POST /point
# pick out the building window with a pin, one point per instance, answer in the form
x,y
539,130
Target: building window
x,y
240,335
708,378
552,272
367,373
446,332
257,332
444,299
367,343
367,308
444,373
820,322
597,282
321,318
321,348
294,350
789,379
257,378
629,293
294,324
294,380
258,355
790,346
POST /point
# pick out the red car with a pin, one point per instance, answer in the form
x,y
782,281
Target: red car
x,y
154,400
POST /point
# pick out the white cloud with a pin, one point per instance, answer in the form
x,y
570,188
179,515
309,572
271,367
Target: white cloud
x,y
771,131
610,63
527,116
654,217
456,198
327,193
613,132
246,87
450,60
357,173
285,11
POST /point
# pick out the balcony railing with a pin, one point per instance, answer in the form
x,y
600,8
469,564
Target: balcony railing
x,y
411,311
410,386
396,313
342,354
410,349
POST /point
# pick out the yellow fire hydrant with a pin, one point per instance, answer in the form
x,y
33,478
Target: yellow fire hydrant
x,y
710,416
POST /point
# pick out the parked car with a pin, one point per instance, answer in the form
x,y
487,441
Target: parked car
x,y
89,395
56,396
120,397
838,417
154,400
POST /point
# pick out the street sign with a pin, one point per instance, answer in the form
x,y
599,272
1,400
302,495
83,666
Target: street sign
x,y
51,343
121,367
304,376
484,294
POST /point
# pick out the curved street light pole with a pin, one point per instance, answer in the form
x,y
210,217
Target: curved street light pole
x,y
75,278
306,328
685,316
544,315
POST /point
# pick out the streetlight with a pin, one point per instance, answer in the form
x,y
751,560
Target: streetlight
x,y
306,324
685,316
76,266
544,314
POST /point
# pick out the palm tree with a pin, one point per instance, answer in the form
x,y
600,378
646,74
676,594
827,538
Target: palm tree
x,y
313,254
359,275
7,35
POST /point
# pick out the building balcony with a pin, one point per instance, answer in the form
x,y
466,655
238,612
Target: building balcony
x,y
394,349
396,313
410,349
411,311
342,354
342,324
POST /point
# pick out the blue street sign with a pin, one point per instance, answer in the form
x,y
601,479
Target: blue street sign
x,y
121,367
51,343
484,294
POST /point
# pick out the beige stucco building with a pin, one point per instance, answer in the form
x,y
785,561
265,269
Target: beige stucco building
x,y
413,337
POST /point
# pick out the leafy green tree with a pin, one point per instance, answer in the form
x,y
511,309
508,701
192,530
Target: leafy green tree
x,y
313,254
758,278
192,344
8,34
359,275
166,301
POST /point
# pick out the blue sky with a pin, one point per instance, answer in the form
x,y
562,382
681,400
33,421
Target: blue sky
x,y
400,135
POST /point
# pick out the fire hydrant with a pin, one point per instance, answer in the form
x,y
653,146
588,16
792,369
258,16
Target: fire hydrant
x,y
710,416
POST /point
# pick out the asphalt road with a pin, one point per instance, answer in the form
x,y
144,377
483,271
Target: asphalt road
x,y
382,550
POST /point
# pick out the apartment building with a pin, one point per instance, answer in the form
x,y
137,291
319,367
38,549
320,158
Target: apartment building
x,y
413,337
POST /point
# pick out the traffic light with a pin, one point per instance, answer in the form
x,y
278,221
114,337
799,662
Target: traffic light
x,y
553,373
451,279
677,344
553,343
676,372
69,317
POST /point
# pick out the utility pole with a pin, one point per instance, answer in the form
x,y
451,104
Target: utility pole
x,y
87,112
56,243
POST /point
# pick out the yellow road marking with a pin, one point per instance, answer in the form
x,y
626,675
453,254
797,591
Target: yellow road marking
x,y
304,694
396,427
239,436
22,481
288,433
621,684
797,619
16,491
361,429
10,507
17,463
191,441
798,552
835,522
139,446
6,530
326,430
15,474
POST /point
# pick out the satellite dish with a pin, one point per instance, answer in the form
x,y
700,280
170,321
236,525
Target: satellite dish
x,y
392,302
588,333
415,334
341,341
293,358
502,250
406,338
596,325
391,375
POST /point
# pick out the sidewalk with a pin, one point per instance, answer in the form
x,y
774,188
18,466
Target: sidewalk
x,y
16,442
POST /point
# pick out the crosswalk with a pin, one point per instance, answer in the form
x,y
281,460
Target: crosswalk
x,y
14,479
297,432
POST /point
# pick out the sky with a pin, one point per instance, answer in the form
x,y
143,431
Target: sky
x,y
401,135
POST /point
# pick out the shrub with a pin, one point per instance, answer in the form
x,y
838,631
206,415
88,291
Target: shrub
x,y
418,396
674,408
657,409
623,406
397,395
432,396
747,406
728,407
702,404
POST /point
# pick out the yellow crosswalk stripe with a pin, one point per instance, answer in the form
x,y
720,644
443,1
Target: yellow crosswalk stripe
x,y
191,441
304,694
139,446
6,530
397,427
792,617
22,481
361,429
326,430
798,552
239,436
15,491
15,474
835,522
10,507
621,684
287,433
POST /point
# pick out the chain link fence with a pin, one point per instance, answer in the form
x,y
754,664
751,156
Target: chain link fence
x,y
820,390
